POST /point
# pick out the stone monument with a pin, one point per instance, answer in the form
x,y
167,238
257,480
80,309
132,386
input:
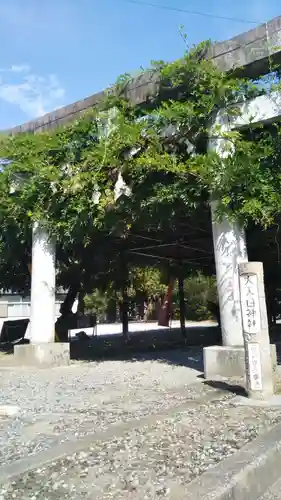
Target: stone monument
x,y
258,362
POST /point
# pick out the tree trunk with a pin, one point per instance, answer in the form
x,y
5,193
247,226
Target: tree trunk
x,y
124,313
81,304
112,311
141,308
67,320
66,306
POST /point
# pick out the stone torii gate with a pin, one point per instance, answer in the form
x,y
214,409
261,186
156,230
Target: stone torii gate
x,y
250,51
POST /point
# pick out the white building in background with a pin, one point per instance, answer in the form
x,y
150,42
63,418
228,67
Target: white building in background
x,y
15,306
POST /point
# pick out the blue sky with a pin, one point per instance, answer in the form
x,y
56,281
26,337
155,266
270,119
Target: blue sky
x,y
54,52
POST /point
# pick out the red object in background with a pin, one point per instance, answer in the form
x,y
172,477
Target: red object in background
x,y
166,309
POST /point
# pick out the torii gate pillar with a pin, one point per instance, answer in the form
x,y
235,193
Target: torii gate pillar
x,y
230,250
230,247
42,349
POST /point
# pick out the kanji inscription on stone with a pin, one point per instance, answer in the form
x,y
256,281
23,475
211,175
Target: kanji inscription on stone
x,y
250,305
254,359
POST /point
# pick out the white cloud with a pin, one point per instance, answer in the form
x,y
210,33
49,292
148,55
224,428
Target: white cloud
x,y
35,95
20,68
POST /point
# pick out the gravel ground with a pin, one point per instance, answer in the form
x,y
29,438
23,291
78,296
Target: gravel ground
x,y
70,402
151,459
148,462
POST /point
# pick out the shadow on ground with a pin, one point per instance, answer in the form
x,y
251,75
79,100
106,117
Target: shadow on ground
x,y
162,345
165,345
190,357
236,389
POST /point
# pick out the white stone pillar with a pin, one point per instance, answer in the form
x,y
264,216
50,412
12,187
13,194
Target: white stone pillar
x,y
230,250
43,283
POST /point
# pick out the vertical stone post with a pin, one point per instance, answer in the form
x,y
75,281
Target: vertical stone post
x,y
258,362
181,302
43,283
230,250
125,299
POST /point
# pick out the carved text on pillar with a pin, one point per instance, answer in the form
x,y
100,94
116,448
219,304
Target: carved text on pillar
x,y
251,318
250,306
